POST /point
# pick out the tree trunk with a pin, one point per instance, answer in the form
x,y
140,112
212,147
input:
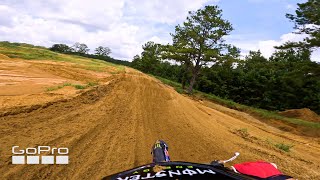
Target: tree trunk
x,y
185,72
195,73
183,83
192,82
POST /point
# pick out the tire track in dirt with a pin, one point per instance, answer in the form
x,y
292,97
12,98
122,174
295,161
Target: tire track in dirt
x,y
111,128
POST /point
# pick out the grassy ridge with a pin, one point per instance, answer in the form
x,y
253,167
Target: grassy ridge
x,y
30,52
260,113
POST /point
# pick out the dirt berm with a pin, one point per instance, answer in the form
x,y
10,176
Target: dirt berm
x,y
304,113
111,128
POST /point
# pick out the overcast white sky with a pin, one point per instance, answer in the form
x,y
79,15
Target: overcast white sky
x,y
125,25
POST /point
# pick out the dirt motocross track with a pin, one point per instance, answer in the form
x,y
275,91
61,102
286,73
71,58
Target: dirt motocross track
x,y
110,128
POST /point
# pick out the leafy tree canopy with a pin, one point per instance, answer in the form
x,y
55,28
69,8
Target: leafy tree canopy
x,y
62,48
307,21
102,51
80,48
199,41
150,57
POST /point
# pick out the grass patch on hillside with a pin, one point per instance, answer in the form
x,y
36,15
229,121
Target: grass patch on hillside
x,y
77,86
30,52
175,85
92,84
284,147
256,112
261,113
243,132
58,87
27,51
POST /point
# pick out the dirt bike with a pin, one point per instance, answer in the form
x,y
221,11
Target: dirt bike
x,y
163,168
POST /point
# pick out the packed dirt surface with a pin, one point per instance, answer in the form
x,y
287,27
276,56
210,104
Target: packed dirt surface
x,y
25,83
2,56
20,77
305,114
110,128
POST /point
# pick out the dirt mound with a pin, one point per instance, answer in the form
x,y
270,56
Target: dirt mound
x,y
305,114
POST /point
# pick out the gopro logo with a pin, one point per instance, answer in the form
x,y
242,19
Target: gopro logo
x,y
37,156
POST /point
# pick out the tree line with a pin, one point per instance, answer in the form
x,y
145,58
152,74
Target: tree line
x,y
81,49
199,58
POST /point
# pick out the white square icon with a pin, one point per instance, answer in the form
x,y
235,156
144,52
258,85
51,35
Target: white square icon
x,y
62,160
32,159
47,160
18,160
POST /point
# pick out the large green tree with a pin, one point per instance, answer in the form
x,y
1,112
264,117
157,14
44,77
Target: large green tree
x,y
307,21
80,48
102,51
62,48
150,58
199,41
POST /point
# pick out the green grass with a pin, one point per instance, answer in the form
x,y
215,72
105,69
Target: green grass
x,y
259,113
175,85
92,83
243,132
27,51
30,52
77,86
284,147
58,87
